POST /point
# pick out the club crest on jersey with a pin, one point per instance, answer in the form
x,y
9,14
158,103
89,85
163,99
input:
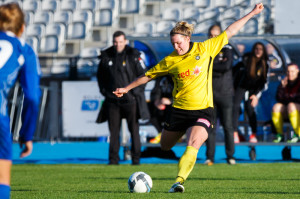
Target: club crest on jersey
x,y
197,57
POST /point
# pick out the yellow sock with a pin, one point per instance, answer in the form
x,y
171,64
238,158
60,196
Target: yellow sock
x,y
277,119
186,163
294,119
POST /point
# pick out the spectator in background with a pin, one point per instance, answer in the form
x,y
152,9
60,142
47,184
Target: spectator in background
x,y
288,104
120,65
17,62
252,77
223,96
160,104
275,61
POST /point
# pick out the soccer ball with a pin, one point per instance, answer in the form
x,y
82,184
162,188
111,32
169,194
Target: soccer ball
x,y
139,182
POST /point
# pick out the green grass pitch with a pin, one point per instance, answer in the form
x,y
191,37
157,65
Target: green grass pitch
x,y
270,180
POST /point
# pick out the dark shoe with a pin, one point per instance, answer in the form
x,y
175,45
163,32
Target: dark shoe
x,y
113,163
136,162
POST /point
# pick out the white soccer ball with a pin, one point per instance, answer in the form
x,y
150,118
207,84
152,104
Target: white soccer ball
x,y
139,182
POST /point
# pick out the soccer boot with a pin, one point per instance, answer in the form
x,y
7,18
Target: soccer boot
x,y
278,139
208,162
177,187
294,139
156,140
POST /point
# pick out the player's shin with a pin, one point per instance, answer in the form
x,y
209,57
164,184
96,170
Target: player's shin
x,y
186,163
277,119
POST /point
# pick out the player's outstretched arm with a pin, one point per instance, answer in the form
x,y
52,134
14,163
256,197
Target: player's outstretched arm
x,y
233,29
119,92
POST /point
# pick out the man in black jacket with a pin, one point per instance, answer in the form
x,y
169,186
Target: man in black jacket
x,y
223,99
120,65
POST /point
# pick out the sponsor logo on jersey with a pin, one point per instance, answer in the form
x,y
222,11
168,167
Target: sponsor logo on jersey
x,y
190,73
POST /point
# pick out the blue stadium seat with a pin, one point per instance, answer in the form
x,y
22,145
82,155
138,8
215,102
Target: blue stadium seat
x,y
129,6
107,4
81,25
173,14
164,27
230,13
43,17
31,5
144,28
63,17
70,5
36,30
202,3
88,5
203,26
191,13
50,5
103,17
251,27
209,14
88,60
34,42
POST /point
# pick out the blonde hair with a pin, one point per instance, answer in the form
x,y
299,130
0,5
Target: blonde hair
x,y
183,28
11,18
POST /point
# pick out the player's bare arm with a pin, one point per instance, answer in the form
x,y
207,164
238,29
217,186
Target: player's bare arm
x,y
233,29
119,92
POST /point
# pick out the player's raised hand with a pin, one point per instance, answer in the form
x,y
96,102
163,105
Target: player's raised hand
x,y
258,8
26,148
119,92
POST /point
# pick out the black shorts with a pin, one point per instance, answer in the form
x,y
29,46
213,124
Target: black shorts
x,y
181,120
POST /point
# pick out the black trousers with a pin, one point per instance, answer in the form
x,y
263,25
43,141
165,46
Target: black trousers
x,y
223,111
117,111
251,114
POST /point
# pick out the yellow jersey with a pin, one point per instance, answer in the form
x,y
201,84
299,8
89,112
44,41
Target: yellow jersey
x,y
191,73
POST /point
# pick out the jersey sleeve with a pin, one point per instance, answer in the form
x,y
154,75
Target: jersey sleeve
x,y
30,81
159,69
215,44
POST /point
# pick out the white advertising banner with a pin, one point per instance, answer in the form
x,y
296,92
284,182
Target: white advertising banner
x,y
81,102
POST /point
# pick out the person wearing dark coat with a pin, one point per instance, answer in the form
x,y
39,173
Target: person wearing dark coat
x,y
223,99
120,65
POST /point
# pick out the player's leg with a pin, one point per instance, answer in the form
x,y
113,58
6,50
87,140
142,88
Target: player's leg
x,y
196,137
114,124
277,119
169,139
225,110
5,157
294,117
130,113
5,167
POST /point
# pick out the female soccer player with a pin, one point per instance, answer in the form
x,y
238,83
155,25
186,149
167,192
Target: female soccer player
x,y
17,61
190,67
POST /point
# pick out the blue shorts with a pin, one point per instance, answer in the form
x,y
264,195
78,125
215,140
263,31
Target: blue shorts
x,y
181,120
5,139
